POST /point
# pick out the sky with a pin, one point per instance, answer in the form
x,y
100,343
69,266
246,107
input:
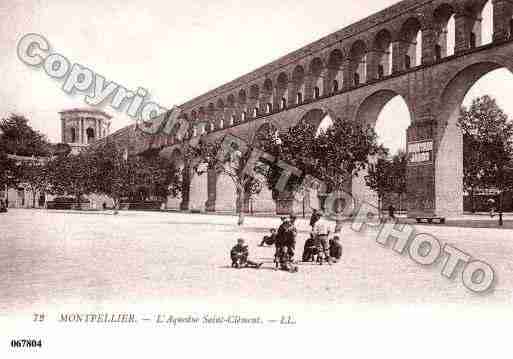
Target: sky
x,y
176,50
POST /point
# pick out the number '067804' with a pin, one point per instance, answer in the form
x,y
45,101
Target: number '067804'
x,y
26,343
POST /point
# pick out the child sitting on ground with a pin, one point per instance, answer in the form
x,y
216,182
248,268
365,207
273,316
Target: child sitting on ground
x,y
269,240
335,250
239,255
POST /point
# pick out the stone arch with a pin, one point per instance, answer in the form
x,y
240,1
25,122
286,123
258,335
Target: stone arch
x,y
448,154
199,192
298,82
281,91
367,114
230,100
382,56
358,63
266,105
268,86
472,11
316,79
410,43
242,97
369,108
313,117
442,15
335,77
175,156
260,135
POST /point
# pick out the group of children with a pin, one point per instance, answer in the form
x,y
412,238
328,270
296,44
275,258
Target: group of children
x,y
317,248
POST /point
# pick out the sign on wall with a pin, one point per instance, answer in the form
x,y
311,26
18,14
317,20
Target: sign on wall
x,y
420,152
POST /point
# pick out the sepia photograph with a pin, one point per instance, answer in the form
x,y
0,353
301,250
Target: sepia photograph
x,y
256,178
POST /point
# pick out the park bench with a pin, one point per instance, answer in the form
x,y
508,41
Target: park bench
x,y
440,220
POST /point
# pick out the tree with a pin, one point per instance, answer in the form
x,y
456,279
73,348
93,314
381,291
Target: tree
x,y
379,179
211,156
488,147
388,175
333,156
36,177
72,174
119,176
21,139
8,171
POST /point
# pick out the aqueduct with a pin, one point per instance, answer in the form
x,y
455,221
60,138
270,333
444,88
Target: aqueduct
x,y
352,73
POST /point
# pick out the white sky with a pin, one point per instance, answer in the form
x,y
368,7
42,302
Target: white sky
x,y
176,50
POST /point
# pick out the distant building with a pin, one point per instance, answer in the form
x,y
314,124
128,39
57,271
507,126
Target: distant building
x,y
81,127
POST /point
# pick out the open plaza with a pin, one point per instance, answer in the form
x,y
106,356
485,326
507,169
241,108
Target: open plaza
x,y
51,260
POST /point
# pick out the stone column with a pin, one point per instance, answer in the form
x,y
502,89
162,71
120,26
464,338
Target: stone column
x,y
429,41
186,185
502,15
464,26
210,204
347,74
373,61
420,175
63,131
82,134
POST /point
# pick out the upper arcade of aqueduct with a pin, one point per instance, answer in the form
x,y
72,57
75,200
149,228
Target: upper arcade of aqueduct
x,y
402,38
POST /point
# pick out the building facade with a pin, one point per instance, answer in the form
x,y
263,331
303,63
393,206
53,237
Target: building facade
x,y
82,127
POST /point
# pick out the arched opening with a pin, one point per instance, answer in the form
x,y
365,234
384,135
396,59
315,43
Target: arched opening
x,y
175,158
211,111
317,92
230,101
267,94
268,108
243,116
335,86
232,120
316,67
298,80
320,120
73,135
479,79
254,97
445,31
325,123
388,113
383,52
487,23
335,71
242,97
479,22
411,43
281,91
283,104
263,200
90,135
358,62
